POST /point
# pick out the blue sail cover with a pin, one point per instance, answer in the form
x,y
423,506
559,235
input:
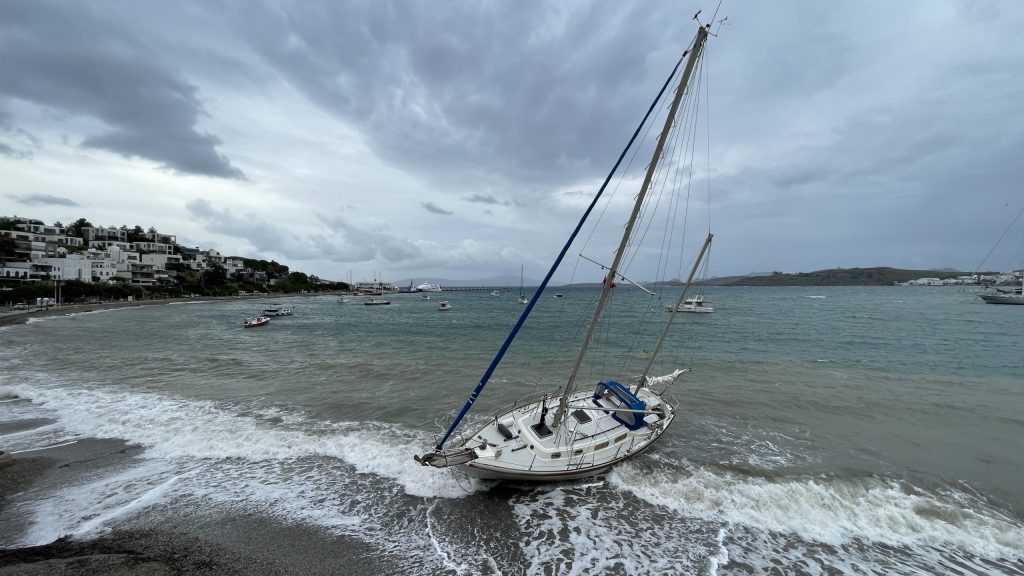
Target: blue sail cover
x,y
618,395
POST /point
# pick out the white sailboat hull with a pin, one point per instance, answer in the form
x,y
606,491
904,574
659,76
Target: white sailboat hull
x,y
575,450
1002,298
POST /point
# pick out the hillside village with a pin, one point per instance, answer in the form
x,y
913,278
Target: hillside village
x,y
97,260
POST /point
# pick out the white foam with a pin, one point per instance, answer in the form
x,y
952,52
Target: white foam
x,y
172,428
45,447
569,529
830,511
149,497
720,559
77,509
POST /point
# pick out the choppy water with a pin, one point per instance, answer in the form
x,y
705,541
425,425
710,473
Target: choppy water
x,y
822,430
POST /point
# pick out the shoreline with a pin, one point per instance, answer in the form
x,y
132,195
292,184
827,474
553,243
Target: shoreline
x,y
15,317
159,540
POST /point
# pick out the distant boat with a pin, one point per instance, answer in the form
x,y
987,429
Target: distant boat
x,y
693,305
1013,295
277,311
495,292
522,299
444,306
559,295
428,287
377,302
256,322
344,300
425,297
1000,296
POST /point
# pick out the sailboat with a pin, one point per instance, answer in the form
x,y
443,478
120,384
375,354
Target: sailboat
x,y
522,299
1013,295
579,432
1000,296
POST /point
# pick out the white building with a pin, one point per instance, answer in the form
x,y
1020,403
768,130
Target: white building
x,y
68,268
100,234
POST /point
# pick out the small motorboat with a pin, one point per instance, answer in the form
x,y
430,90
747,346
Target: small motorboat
x,y
256,322
277,311
693,305
377,302
444,305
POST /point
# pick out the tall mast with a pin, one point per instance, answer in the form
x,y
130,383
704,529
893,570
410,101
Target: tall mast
x,y
675,310
606,286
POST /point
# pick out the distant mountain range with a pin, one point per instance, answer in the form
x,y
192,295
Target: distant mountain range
x,y
507,280
878,276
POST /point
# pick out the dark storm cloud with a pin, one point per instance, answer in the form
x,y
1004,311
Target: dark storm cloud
x,y
342,242
262,235
74,58
370,242
19,150
481,199
430,207
528,92
43,199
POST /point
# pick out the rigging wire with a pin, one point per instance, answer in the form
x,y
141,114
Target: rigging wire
x,y
1012,222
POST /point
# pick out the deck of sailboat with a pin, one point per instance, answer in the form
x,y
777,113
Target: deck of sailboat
x,y
589,441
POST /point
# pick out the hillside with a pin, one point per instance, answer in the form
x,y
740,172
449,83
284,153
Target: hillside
x,y
882,276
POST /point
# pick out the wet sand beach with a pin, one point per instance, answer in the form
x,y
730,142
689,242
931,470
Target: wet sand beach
x,y
181,542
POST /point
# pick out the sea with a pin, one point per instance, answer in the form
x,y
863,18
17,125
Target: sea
x,y
821,430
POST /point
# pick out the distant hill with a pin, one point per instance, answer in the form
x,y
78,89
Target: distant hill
x,y
882,276
507,280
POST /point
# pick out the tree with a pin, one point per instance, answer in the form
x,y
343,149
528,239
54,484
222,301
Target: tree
x,y
58,224
215,276
7,247
136,234
76,227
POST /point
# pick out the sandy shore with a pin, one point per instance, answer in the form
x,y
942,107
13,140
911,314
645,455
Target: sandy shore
x,y
151,546
168,538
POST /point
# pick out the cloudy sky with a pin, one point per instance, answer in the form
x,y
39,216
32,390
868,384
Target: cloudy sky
x,y
457,139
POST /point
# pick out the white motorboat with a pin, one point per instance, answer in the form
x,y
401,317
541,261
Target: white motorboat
x,y
255,322
696,305
277,311
444,306
377,302
579,431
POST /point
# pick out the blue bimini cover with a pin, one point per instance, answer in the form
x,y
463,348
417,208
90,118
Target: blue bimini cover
x,y
614,395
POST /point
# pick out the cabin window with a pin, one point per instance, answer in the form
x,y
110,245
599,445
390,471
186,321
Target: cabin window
x,y
620,438
601,446
577,452
581,416
556,455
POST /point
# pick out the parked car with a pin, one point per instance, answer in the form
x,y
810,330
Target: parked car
x,y
20,307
